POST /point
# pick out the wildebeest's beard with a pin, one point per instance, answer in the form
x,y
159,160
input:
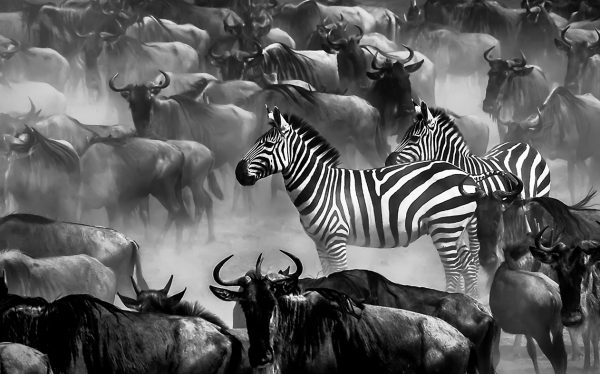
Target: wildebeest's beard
x,y
140,103
259,307
517,230
570,274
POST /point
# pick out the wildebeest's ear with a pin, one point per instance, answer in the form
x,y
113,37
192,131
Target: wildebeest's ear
x,y
3,285
414,67
561,45
129,302
285,286
226,295
175,299
547,257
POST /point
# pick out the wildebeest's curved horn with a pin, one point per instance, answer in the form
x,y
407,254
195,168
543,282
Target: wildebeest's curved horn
x,y
374,65
538,241
525,4
257,269
513,180
236,282
411,54
521,61
478,194
111,84
91,33
486,54
596,44
29,115
297,262
165,83
167,287
135,286
563,36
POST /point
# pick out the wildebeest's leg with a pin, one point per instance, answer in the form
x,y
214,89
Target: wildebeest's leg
x,y
203,202
144,213
575,351
532,353
586,349
557,353
594,336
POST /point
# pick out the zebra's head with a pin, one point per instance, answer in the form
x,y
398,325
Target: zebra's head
x,y
269,155
417,139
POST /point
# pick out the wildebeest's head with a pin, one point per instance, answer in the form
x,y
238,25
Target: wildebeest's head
x,y
571,265
501,71
578,55
350,57
9,50
230,62
140,98
258,296
152,300
11,123
393,82
491,230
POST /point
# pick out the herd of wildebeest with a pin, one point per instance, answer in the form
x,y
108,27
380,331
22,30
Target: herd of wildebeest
x,y
207,91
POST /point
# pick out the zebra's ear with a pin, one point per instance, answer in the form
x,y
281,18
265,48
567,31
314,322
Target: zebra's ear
x,y
280,122
427,117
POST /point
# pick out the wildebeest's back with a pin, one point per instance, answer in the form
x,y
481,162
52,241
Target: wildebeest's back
x,y
41,237
20,359
174,344
426,344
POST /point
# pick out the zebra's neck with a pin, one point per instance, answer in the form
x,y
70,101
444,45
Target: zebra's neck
x,y
454,150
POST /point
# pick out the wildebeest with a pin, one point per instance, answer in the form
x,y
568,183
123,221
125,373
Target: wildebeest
x,y
81,334
198,167
39,167
18,96
35,64
150,30
315,67
326,331
54,277
118,173
529,303
228,92
225,129
159,301
514,90
461,311
343,120
579,53
17,358
564,127
187,84
40,237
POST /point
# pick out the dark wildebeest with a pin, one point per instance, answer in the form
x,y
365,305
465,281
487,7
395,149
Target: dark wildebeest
x,y
461,311
40,167
54,277
17,358
159,301
565,127
81,334
326,331
579,283
39,237
118,173
579,53
514,90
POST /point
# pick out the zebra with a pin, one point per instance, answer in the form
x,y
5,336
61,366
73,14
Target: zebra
x,y
435,136
385,207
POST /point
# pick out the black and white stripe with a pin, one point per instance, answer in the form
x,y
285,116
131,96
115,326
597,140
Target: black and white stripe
x,y
386,207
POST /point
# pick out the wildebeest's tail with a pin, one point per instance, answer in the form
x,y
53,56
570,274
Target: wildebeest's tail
x,y
473,361
488,352
135,257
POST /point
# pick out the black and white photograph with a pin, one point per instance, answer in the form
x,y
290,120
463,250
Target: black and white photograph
x,y
299,186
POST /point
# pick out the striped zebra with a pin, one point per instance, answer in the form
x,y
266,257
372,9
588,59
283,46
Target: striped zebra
x,y
386,207
435,136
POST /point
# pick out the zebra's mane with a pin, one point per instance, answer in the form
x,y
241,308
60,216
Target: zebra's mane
x,y
443,119
326,153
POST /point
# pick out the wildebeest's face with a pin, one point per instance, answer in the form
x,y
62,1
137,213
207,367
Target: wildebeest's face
x,y
269,155
258,296
152,300
569,262
140,99
578,55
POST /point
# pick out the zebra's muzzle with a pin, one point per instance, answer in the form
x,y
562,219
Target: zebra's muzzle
x,y
242,174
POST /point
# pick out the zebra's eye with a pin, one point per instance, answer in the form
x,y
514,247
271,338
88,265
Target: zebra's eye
x,y
269,144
